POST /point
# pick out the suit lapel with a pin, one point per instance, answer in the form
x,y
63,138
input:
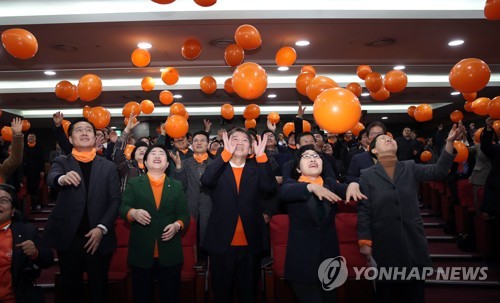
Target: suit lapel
x,y
147,190
165,193
95,175
379,170
398,171
73,165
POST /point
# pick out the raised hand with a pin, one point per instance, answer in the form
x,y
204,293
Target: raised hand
x,y
17,126
132,122
207,124
456,131
301,110
58,117
271,126
176,158
113,136
228,145
260,146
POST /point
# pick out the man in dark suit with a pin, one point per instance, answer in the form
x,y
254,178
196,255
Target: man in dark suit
x,y
81,226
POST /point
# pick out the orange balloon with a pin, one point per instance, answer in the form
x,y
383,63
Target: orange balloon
x,y
395,81
163,1
7,133
469,75
74,94
170,76
89,87
131,108
468,107
477,135
140,57
64,89
191,49
425,156
496,125
247,37
423,113
273,117
126,119
19,43
100,117
252,111
470,96
234,55
177,109
318,85
456,116
176,126
303,81
308,69
166,97
355,88
357,128
26,125
411,111
492,9
147,84
288,128
337,110
381,95
363,70
373,81
86,111
186,115
205,3
494,108
228,86
227,111
462,152
286,56
208,85
480,106
65,125
147,106
306,126
128,151
249,80
250,123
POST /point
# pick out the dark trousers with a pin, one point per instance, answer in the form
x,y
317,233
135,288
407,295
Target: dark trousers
x,y
400,292
237,266
169,282
305,293
73,262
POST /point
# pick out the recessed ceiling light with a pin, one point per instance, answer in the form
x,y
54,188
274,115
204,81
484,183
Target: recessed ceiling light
x,y
177,96
365,94
455,93
144,45
456,42
271,96
302,43
399,67
283,68
162,70
385,118
113,127
49,72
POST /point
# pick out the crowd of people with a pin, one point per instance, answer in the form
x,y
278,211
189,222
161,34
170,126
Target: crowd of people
x,y
232,183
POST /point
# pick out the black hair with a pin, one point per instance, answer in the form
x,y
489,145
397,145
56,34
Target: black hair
x,y
201,132
137,145
267,131
361,133
150,148
147,138
297,139
72,125
373,143
213,141
376,123
241,130
296,163
11,191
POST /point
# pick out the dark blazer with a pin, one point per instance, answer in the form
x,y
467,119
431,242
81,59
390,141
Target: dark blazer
x,y
20,283
491,198
358,162
310,241
390,217
228,204
102,203
139,195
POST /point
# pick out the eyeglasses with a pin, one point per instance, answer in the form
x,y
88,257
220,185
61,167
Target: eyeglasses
x,y
5,201
83,129
310,156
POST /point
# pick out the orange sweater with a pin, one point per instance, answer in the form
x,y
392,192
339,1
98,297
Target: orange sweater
x,y
6,291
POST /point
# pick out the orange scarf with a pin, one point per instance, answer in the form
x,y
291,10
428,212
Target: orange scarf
x,y
141,165
201,158
213,152
31,144
306,179
184,151
292,146
84,157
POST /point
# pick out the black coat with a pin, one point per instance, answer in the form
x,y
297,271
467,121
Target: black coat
x,y
491,200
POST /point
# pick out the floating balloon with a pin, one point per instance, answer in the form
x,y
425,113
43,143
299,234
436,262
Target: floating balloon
x,y
470,96
273,117
496,125
19,43
456,116
362,71
250,123
302,82
286,56
318,85
468,107
205,3
131,108
477,135
423,113
411,111
26,125
177,109
288,128
100,117
170,76
166,97
462,152
373,81
357,128
64,89
176,126
247,37
492,9
252,111
395,81
74,94
7,133
425,156
469,75
208,85
249,80
147,84
89,87
140,57
494,108
86,111
308,69
147,106
128,150
306,126
480,106
234,55
227,111
228,86
337,110
65,124
163,1
191,49
355,88
380,95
